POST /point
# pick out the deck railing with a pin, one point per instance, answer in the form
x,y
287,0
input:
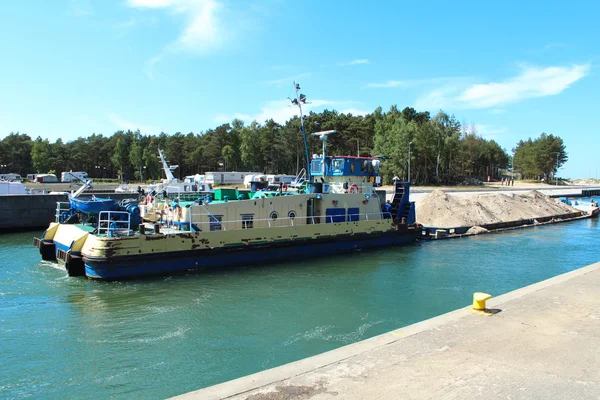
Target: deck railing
x,y
114,223
195,225
63,211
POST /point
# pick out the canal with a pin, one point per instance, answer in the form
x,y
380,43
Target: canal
x,y
154,338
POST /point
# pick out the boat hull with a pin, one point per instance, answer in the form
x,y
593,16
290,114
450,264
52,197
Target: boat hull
x,y
125,267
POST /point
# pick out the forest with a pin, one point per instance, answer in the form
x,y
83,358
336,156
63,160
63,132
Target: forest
x,y
442,150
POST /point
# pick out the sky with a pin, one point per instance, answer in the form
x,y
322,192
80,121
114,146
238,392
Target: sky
x,y
510,69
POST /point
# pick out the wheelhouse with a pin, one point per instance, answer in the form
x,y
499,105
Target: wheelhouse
x,y
363,168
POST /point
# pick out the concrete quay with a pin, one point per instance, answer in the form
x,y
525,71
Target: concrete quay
x,y
541,342
30,211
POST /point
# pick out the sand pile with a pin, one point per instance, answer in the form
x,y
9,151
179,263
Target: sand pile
x,y
476,230
440,209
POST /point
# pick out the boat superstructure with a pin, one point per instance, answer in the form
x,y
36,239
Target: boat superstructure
x,y
336,210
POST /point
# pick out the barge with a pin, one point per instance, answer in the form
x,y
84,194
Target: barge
x,y
341,213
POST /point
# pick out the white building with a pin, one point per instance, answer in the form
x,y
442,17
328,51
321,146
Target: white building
x,y
74,176
227,178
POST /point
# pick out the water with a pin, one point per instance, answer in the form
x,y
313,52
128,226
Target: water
x,y
70,337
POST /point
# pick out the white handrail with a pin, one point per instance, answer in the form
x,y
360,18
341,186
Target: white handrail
x,y
290,221
112,224
59,209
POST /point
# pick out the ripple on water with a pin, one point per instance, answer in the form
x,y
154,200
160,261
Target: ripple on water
x,y
165,336
324,333
178,333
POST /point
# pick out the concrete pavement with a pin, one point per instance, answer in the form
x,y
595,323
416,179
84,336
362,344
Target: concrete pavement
x,y
543,342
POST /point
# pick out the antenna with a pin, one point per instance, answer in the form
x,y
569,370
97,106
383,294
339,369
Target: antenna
x,y
323,136
298,101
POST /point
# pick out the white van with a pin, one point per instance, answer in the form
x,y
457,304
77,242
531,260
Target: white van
x,y
74,176
10,177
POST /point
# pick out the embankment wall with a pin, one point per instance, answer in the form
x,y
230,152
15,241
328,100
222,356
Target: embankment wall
x,y
36,211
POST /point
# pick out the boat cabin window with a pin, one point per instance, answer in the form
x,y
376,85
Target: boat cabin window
x,y
335,215
274,215
337,165
353,214
215,222
315,166
247,221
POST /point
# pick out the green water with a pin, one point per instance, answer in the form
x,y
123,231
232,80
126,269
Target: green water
x,y
74,338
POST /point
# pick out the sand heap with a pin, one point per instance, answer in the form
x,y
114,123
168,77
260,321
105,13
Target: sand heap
x,y
440,209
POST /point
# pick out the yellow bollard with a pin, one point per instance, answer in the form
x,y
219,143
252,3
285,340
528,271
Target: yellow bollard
x,y
479,300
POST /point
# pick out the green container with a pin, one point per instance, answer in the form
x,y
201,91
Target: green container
x,y
230,193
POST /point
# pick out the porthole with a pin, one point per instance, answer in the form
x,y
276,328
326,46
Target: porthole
x,y
292,215
274,215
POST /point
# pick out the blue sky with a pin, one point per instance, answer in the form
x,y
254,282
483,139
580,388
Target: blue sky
x,y
509,69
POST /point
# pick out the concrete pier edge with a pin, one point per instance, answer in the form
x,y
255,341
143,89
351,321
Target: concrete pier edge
x,y
272,376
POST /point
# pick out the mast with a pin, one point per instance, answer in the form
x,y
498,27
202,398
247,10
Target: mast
x,y
166,167
298,101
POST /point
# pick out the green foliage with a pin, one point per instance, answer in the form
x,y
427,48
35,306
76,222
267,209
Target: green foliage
x,y
439,151
540,157
136,155
442,151
41,156
16,153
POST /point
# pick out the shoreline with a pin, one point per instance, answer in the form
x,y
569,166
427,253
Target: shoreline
x,y
462,348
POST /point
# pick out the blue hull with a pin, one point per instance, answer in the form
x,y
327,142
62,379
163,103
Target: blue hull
x,y
180,263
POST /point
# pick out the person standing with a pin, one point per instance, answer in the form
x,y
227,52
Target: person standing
x,y
387,210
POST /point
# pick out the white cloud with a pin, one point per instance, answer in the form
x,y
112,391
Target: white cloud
x,y
412,82
355,111
124,124
387,84
282,110
531,83
358,62
489,132
204,29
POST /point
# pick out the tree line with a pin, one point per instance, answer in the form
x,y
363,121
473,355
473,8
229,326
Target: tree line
x,y
540,157
442,150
